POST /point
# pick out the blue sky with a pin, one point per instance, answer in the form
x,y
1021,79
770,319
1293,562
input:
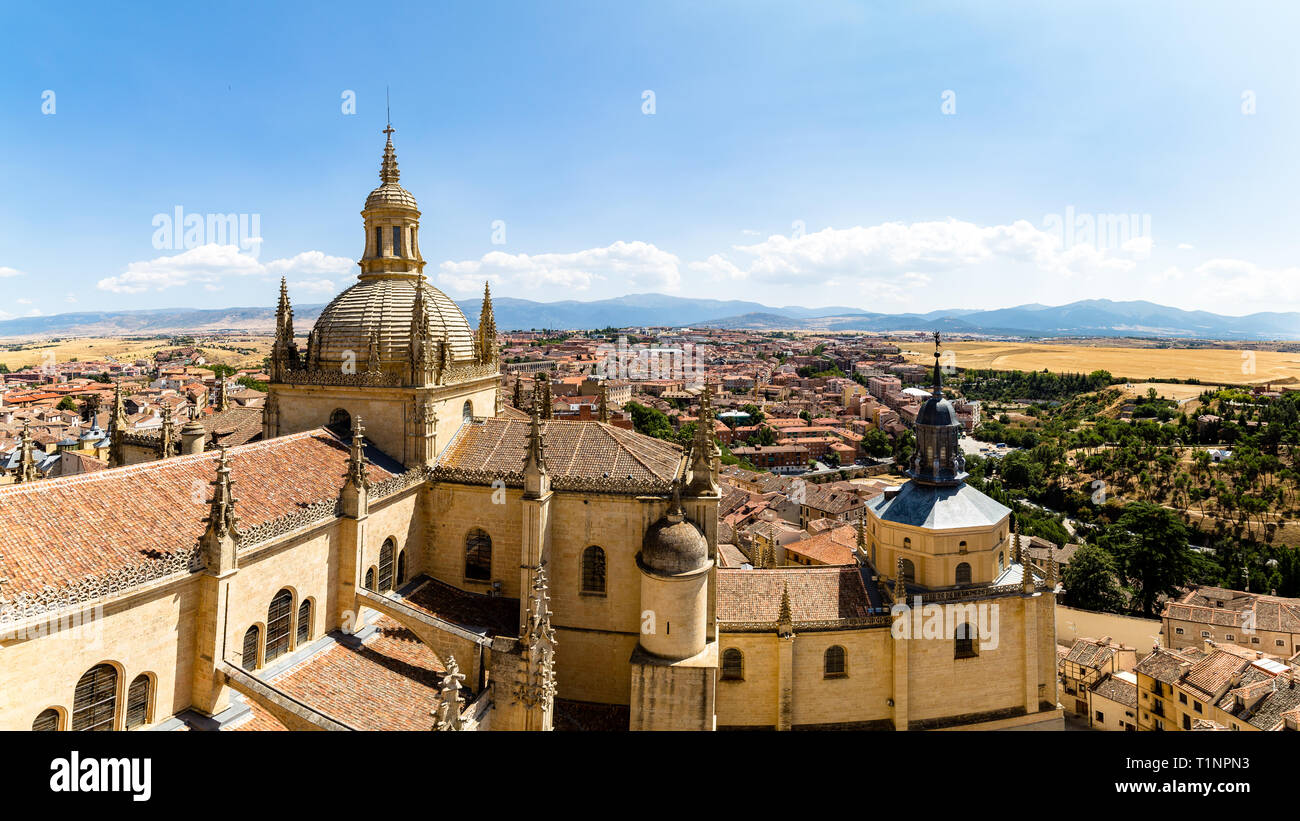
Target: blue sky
x,y
797,153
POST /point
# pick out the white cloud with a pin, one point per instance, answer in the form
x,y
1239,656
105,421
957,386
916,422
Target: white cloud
x,y
9,272
895,254
1235,286
1186,246
313,286
211,266
628,266
23,301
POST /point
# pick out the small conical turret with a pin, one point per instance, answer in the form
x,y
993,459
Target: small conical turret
x,y
26,460
602,414
537,482
485,341
702,480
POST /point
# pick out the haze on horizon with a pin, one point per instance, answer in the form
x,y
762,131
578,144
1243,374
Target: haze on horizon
x,y
836,155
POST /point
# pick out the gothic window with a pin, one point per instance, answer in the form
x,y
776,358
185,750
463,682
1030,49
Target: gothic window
x,y
137,702
834,666
341,422
278,618
397,240
370,579
94,705
964,642
401,567
467,410
909,571
251,639
963,573
478,555
304,623
593,570
47,721
386,566
733,665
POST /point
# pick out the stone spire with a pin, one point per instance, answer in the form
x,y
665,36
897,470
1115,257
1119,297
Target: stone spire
x,y
900,589
702,481
26,462
223,400
221,536
938,461
542,397
117,428
518,399
1027,566
602,414
862,541
423,361
284,351
167,435
536,689
357,476
537,481
388,167
449,700
938,372
372,354
485,339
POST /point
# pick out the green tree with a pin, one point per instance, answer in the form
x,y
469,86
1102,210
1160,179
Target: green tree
x,y
1150,544
67,403
1089,581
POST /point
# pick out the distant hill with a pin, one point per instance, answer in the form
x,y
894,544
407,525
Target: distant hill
x,y
1092,317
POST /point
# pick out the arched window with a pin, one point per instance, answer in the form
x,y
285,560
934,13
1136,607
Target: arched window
x,y
834,662
304,623
1002,557
593,570
907,542
341,422
370,579
963,573
467,410
251,639
478,555
961,548
909,571
964,642
94,705
279,617
386,565
401,567
47,721
733,665
137,702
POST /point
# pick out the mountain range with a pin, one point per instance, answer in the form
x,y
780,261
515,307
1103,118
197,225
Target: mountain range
x,y
1092,317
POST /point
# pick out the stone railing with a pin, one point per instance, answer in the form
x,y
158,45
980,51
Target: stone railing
x,y
398,483
90,588
363,379
299,519
588,484
814,625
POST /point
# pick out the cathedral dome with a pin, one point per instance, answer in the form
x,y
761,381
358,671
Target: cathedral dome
x,y
391,195
381,308
674,545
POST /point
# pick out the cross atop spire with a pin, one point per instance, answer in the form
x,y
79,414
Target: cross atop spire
x,y
938,378
388,168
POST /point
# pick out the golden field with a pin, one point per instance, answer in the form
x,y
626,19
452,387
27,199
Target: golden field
x,y
236,351
1210,365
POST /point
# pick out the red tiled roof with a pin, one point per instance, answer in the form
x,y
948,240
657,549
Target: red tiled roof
x,y
816,594
60,530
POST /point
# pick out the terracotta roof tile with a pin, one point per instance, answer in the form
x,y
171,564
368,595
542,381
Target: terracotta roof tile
x,y
816,594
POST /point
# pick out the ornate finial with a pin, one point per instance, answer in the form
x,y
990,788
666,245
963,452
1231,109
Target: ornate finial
x,y
388,168
26,462
223,401
485,341
518,398
675,512
602,414
357,461
535,456
221,512
166,436
422,354
784,616
449,700
862,536
900,590
938,377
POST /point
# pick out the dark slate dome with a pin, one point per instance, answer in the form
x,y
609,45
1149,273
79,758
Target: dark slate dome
x,y
674,545
937,411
